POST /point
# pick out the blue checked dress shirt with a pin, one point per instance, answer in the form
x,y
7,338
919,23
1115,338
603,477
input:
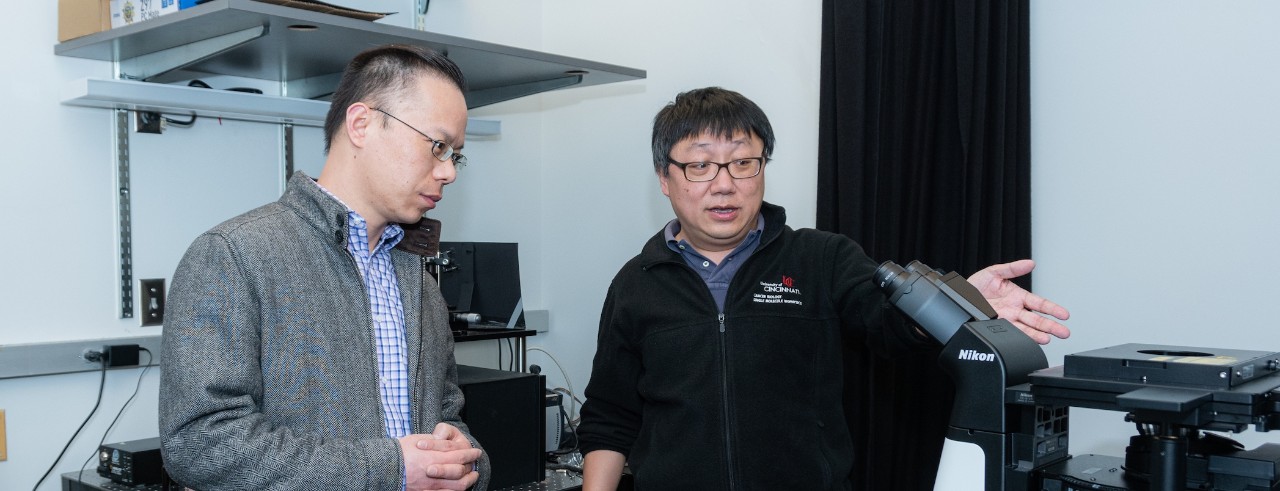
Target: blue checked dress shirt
x,y
388,318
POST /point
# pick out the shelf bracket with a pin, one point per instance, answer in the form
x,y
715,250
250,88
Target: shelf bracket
x,y
124,225
150,65
312,87
484,97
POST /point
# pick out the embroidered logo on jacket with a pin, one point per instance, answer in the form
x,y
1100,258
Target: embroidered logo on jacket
x,y
784,291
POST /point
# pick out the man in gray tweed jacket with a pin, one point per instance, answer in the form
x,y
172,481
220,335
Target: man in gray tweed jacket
x,y
301,349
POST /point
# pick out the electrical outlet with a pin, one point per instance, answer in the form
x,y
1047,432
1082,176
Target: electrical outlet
x,y
152,302
4,453
148,122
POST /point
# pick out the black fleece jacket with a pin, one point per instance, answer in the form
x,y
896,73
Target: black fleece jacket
x,y
745,399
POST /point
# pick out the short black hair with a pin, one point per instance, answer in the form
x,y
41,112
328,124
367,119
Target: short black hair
x,y
378,74
711,109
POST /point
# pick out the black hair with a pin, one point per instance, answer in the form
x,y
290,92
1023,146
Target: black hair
x,y
711,109
377,74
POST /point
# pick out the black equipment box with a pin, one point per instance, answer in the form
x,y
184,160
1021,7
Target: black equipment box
x,y
132,463
1171,365
506,412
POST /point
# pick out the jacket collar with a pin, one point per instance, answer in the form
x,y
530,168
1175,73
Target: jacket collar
x,y
329,216
656,250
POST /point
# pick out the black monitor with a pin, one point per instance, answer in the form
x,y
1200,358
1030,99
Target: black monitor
x,y
483,279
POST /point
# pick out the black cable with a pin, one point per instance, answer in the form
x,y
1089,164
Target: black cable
x,y
564,416
102,383
117,418
182,124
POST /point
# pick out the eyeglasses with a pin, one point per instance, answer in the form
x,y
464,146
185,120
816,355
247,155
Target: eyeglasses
x,y
441,150
707,171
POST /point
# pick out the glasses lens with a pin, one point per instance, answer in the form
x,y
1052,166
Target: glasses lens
x,y
442,151
700,171
459,160
744,168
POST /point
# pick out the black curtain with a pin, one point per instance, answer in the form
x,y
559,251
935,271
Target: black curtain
x,y
924,153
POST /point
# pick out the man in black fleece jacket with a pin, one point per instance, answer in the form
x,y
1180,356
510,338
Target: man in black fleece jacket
x,y
718,363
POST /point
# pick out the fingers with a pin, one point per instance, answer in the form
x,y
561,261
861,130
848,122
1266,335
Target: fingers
x,y
465,482
428,442
1043,305
446,431
1040,328
453,469
455,456
1013,269
449,472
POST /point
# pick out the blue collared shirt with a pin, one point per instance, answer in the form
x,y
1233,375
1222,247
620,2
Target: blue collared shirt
x,y
388,317
716,276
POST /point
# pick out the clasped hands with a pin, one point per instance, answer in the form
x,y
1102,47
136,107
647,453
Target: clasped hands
x,y
442,459
1031,313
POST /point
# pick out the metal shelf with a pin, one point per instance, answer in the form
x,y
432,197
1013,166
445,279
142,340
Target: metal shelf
x,y
304,51
307,51
177,99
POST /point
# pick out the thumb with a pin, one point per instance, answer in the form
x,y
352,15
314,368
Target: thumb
x,y
442,431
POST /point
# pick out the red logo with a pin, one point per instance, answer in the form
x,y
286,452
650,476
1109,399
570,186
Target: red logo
x,y
788,281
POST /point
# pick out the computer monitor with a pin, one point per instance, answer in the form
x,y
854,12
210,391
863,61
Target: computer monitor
x,y
484,279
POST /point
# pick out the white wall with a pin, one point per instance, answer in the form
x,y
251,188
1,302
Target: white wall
x,y
1150,145
1154,179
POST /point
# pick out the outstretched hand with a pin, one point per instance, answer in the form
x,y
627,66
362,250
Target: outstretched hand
x,y
1031,313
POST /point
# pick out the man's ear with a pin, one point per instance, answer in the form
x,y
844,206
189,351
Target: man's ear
x,y
357,123
662,182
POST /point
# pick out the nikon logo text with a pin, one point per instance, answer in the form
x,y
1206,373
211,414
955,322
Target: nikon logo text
x,y
969,354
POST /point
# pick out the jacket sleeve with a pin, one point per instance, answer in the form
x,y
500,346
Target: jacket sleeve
x,y
611,413
452,403
213,433
864,309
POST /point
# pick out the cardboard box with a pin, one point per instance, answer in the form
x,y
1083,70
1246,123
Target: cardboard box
x,y
82,17
126,12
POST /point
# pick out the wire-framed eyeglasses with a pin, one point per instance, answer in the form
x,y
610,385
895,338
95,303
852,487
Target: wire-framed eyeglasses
x,y
745,168
440,150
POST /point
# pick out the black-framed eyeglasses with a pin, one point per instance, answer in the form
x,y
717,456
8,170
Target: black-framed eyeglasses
x,y
707,171
441,150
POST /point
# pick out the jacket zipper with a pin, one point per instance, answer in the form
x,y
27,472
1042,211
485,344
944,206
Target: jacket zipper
x,y
724,401
724,361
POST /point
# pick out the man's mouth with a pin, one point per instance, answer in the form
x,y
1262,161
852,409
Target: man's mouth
x,y
723,211
431,199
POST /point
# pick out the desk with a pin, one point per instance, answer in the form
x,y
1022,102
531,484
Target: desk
x,y
71,481
519,335
555,481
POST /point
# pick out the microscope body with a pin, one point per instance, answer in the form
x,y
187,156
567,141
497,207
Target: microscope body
x,y
1014,408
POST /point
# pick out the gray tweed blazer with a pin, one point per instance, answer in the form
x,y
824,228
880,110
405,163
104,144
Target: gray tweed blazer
x,y
270,377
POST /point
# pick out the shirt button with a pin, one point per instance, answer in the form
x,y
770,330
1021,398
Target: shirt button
x,y
706,263
681,247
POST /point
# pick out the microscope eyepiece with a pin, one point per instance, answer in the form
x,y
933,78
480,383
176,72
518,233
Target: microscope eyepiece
x,y
890,277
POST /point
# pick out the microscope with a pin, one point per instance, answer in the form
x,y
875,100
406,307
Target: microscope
x,y
1015,408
